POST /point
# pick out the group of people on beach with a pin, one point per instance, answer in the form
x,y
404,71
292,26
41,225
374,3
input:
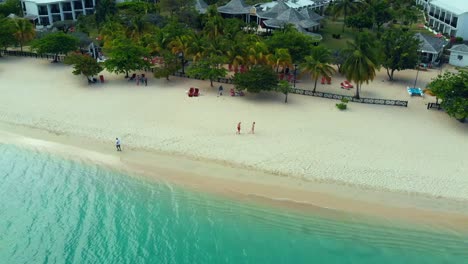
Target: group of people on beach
x,y
140,78
252,130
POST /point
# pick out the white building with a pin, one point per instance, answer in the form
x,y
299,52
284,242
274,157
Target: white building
x,y
46,12
50,11
447,16
459,55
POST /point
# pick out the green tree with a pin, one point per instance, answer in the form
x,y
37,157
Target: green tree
x,y
258,78
399,50
318,64
169,65
125,56
175,6
362,60
281,58
285,88
83,64
55,43
7,31
359,21
381,12
344,7
24,31
297,43
452,88
10,7
208,68
105,9
86,24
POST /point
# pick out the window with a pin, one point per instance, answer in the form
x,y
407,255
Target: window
x,y
460,57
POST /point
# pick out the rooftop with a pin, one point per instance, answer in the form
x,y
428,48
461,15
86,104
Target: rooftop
x,y
235,7
430,44
201,6
455,6
463,48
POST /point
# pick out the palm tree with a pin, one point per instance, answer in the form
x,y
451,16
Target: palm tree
x,y
318,64
257,53
281,57
197,46
213,25
362,61
344,7
24,31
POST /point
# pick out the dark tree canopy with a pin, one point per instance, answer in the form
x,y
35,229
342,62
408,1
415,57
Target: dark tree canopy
x,y
125,56
399,50
298,44
7,31
208,68
452,88
55,43
83,64
258,78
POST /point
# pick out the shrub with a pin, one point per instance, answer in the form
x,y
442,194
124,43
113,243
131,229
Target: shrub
x,y
459,39
344,100
341,106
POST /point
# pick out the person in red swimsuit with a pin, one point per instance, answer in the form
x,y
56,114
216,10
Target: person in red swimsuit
x,y
238,127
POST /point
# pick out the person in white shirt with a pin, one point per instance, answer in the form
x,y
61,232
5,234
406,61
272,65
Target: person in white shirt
x,y
117,144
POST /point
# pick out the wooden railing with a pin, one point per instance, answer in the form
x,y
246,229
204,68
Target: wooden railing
x,y
351,98
31,54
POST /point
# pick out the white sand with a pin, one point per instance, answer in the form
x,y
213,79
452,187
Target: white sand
x,y
402,149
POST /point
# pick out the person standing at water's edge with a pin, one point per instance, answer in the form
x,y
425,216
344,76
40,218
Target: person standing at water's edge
x,y
238,127
117,144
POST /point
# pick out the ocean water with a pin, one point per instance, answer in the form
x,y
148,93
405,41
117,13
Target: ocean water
x,y
57,211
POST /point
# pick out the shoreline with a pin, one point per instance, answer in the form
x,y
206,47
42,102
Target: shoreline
x,y
248,185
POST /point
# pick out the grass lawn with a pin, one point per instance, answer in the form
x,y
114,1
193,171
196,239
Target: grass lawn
x,y
335,27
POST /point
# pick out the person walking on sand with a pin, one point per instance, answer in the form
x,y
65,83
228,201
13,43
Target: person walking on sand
x,y
138,80
238,127
220,90
117,144
146,81
253,128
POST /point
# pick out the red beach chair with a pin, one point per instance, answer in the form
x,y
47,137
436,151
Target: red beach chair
x,y
323,80
191,91
348,83
196,92
328,79
232,92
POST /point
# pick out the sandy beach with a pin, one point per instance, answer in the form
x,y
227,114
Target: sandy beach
x,y
303,146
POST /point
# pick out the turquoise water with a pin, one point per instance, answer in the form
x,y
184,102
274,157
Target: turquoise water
x,y
57,211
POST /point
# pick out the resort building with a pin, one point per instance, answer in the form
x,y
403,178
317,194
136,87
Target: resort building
x,y
447,16
459,55
237,8
281,14
46,12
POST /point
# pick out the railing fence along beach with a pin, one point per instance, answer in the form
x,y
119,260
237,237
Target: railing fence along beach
x,y
376,101
230,81
31,54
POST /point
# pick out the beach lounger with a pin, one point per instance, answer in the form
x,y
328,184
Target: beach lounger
x,y
348,83
191,91
415,91
196,92
346,86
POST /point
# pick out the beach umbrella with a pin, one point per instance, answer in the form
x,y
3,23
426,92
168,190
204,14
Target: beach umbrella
x,y
439,35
